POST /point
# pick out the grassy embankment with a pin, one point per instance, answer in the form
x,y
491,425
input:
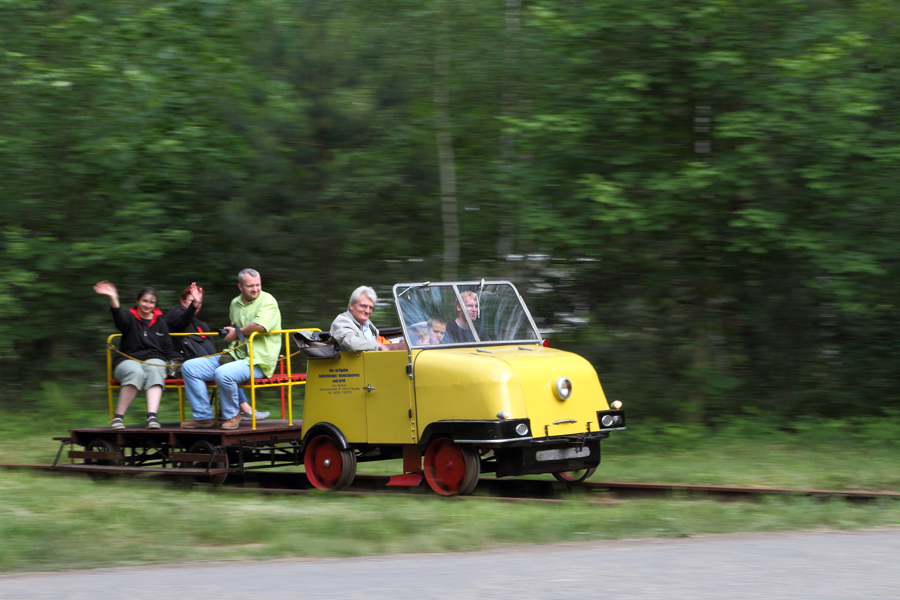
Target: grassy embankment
x,y
51,522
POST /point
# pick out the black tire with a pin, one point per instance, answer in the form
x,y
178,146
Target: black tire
x,y
102,445
574,476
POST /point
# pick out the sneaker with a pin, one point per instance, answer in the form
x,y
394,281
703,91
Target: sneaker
x,y
152,423
260,415
117,423
203,424
232,423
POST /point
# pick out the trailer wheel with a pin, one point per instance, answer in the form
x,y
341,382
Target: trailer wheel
x,y
102,445
327,466
451,469
205,447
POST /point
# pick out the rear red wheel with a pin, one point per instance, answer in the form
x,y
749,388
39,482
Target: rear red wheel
x,y
450,468
327,466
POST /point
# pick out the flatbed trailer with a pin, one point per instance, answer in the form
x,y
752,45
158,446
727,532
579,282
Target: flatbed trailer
x,y
205,455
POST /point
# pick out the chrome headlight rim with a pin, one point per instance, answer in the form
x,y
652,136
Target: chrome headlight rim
x,y
563,388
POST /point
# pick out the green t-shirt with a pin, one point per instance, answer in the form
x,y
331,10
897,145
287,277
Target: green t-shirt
x,y
264,312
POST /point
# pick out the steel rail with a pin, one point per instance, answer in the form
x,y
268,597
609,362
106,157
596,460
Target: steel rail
x,y
508,489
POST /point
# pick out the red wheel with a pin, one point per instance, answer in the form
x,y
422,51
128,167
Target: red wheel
x,y
574,476
450,468
327,466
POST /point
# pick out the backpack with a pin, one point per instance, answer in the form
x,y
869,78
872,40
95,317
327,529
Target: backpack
x,y
197,345
316,344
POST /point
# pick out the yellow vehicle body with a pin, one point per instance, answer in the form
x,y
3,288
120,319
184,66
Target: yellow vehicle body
x,y
372,399
466,383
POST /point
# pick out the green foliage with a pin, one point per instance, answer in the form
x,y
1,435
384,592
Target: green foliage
x,y
705,212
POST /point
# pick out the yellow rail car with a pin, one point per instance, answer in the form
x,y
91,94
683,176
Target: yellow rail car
x,y
490,396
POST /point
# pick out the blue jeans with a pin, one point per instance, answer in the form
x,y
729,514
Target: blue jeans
x,y
197,371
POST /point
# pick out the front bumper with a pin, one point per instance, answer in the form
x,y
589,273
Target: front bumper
x,y
530,453
548,455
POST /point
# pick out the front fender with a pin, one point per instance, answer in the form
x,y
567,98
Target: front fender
x,y
325,429
479,433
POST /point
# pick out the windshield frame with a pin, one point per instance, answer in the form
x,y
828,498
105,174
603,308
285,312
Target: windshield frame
x,y
401,289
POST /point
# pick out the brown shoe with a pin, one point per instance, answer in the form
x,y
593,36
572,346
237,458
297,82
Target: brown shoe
x,y
232,423
204,424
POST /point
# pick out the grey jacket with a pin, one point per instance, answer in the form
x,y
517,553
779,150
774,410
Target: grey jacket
x,y
346,331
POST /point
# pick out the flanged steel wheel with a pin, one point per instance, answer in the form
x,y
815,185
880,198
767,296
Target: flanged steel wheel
x,y
205,447
451,469
327,466
574,476
101,445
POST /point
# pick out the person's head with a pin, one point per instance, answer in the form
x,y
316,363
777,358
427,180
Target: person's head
x,y
250,284
145,302
186,296
436,330
362,303
471,301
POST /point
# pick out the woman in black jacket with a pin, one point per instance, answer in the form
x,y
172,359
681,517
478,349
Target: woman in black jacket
x,y
145,337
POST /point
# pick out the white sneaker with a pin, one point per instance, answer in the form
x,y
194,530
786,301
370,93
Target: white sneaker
x,y
260,415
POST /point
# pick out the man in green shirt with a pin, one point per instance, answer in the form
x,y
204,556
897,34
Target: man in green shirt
x,y
253,311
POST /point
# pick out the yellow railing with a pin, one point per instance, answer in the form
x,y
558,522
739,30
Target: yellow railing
x,y
289,383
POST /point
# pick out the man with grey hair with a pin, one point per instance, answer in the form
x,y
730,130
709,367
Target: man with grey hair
x,y
353,330
252,311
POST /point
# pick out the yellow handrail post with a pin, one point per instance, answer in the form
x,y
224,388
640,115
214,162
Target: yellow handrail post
x,y
252,382
290,381
109,378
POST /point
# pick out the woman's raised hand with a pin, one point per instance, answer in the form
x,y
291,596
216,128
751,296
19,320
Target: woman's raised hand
x,y
106,288
196,293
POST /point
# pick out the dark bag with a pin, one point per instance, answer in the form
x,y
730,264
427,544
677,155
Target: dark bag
x,y
316,344
197,345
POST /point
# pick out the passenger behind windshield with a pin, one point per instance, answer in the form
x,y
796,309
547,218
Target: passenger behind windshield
x,y
431,334
457,331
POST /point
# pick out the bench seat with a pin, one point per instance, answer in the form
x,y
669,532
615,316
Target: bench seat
x,y
273,380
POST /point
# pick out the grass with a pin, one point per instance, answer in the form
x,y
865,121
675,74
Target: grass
x,y
49,522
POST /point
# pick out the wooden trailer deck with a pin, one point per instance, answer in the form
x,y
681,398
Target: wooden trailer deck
x,y
174,435
207,455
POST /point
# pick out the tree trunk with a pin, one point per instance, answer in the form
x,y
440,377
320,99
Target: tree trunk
x,y
446,162
509,103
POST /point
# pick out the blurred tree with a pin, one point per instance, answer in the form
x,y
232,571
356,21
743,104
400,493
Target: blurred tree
x,y
734,181
115,141
703,210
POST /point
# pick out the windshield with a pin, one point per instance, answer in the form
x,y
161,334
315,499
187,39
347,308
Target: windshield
x,y
463,313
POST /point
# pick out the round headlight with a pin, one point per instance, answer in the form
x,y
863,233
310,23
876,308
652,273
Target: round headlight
x,y
563,388
522,429
607,420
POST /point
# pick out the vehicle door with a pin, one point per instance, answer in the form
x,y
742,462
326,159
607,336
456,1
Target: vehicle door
x,y
388,389
334,394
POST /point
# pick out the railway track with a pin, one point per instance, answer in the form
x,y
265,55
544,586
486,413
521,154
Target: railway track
x,y
517,489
